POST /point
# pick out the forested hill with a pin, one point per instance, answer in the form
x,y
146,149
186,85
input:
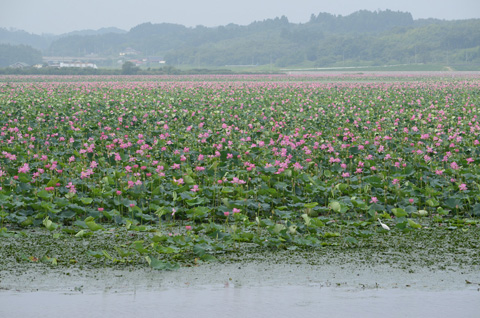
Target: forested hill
x,y
363,37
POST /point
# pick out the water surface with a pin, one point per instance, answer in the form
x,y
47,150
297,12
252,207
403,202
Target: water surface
x,y
231,301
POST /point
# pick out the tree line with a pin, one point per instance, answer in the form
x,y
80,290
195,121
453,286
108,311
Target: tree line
x,y
10,54
361,38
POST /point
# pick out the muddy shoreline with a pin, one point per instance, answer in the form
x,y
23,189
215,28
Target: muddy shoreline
x,y
428,259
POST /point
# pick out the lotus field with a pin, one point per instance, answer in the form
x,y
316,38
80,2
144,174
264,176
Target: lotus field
x,y
200,168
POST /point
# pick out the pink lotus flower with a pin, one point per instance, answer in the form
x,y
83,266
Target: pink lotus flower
x,y
195,188
24,169
297,166
236,180
71,186
373,200
179,181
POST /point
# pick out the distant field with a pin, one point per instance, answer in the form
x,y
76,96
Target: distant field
x,y
393,68
290,75
355,68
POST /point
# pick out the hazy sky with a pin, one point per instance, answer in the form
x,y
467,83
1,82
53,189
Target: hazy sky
x,y
60,16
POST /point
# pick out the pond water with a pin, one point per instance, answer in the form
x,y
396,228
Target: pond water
x,y
230,301
247,289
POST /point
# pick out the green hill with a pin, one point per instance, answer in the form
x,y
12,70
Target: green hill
x,y
363,38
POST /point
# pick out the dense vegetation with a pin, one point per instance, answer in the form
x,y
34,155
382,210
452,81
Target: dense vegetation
x,y
128,68
278,163
42,42
10,54
362,38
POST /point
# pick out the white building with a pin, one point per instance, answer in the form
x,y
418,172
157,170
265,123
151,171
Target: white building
x,y
78,64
